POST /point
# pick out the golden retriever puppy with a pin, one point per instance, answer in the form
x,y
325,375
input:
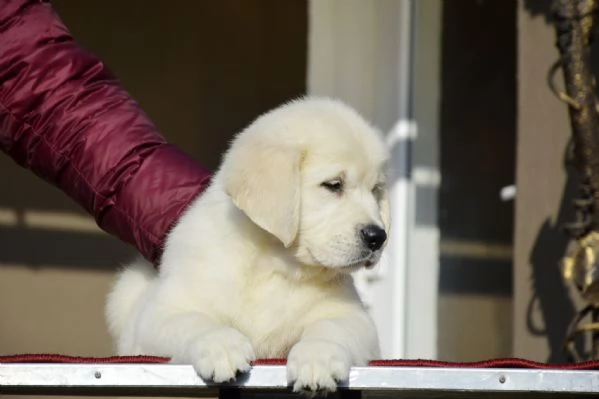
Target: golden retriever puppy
x,y
260,265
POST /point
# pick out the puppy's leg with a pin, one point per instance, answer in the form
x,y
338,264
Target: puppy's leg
x,y
217,352
327,350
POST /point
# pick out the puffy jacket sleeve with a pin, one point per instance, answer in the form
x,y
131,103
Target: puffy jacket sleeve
x,y
67,119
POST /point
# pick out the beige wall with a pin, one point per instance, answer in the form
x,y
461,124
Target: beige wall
x,y
201,70
542,309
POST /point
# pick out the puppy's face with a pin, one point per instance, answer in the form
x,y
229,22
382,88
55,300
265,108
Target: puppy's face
x,y
343,207
312,174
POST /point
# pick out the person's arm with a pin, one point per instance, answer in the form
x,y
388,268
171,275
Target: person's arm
x,y
67,119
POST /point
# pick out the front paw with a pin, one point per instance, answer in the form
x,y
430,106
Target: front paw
x,y
317,366
220,354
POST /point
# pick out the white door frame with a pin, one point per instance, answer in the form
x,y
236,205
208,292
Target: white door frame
x,y
383,58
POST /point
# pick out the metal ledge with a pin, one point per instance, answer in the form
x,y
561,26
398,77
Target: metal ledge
x,y
181,380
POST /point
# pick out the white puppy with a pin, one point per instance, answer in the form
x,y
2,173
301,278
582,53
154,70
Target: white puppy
x,y
259,265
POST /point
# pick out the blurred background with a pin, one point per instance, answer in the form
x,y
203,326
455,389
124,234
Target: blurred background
x,y
458,87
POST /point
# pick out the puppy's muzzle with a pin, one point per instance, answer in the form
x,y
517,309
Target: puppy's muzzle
x,y
373,236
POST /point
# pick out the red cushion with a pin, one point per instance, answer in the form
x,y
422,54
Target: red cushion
x,y
493,363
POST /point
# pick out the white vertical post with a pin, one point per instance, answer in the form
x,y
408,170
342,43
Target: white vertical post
x,y
423,241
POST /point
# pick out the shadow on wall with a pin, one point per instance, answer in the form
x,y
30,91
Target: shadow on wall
x,y
550,309
51,239
551,298
539,8
41,227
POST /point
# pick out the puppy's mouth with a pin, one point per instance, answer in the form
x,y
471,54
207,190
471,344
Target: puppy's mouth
x,y
368,261
365,259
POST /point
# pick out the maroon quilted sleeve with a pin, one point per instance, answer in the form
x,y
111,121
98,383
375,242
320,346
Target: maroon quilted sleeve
x,y
68,120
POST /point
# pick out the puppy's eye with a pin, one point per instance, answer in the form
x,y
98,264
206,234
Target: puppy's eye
x,y
378,188
334,186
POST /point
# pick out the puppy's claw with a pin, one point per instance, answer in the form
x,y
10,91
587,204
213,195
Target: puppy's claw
x,y
219,355
316,366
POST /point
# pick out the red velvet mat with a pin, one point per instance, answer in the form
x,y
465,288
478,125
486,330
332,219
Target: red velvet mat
x,y
493,363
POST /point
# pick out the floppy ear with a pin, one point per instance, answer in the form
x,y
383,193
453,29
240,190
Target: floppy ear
x,y
264,182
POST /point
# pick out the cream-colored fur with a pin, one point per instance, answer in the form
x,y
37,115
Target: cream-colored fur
x,y
259,265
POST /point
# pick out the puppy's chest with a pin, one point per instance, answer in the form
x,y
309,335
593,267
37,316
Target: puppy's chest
x,y
273,312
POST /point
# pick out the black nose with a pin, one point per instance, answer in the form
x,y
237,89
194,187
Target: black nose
x,y
373,236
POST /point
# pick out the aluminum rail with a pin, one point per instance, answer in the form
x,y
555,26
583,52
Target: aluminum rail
x,y
155,380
